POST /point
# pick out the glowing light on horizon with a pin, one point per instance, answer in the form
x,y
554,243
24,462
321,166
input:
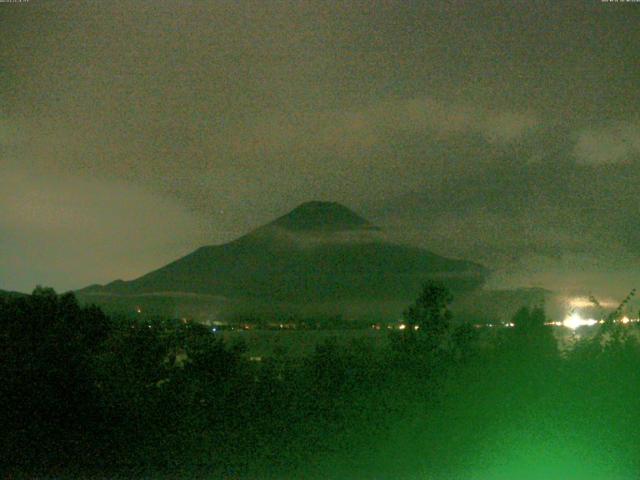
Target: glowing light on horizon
x,y
586,302
575,321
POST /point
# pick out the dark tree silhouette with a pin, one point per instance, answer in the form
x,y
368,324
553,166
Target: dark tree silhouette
x,y
426,324
532,338
47,393
430,312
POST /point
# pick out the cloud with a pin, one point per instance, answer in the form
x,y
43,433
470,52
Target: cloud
x,y
364,128
451,119
240,113
615,143
64,229
9,132
506,127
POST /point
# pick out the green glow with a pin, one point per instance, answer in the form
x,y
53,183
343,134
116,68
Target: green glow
x,y
530,456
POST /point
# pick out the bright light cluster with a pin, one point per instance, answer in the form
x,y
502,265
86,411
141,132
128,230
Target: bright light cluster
x,y
575,321
586,302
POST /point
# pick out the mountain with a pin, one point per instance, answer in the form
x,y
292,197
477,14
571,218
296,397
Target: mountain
x,y
319,253
322,217
11,294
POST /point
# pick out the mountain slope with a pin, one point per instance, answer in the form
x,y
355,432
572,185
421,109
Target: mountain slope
x,y
323,217
11,294
319,252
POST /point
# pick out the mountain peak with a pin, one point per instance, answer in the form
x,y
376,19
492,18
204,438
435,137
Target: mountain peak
x,y
325,216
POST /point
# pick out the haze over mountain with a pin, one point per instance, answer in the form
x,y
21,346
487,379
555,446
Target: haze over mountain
x,y
320,252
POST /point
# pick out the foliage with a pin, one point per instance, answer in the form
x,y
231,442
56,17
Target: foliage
x,y
430,312
86,395
426,322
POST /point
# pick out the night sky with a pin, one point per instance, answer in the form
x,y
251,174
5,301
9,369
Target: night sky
x,y
508,133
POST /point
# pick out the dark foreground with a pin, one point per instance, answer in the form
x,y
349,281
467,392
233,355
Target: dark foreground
x,y
83,395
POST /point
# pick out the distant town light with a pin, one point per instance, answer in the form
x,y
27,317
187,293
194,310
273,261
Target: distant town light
x,y
575,321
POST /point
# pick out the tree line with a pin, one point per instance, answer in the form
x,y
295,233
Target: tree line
x,y
86,395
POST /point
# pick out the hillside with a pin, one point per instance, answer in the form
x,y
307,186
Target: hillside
x,y
318,253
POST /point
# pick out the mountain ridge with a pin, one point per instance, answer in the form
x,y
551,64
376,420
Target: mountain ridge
x,y
318,252
323,216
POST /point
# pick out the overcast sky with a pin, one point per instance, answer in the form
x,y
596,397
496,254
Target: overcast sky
x,y
133,132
